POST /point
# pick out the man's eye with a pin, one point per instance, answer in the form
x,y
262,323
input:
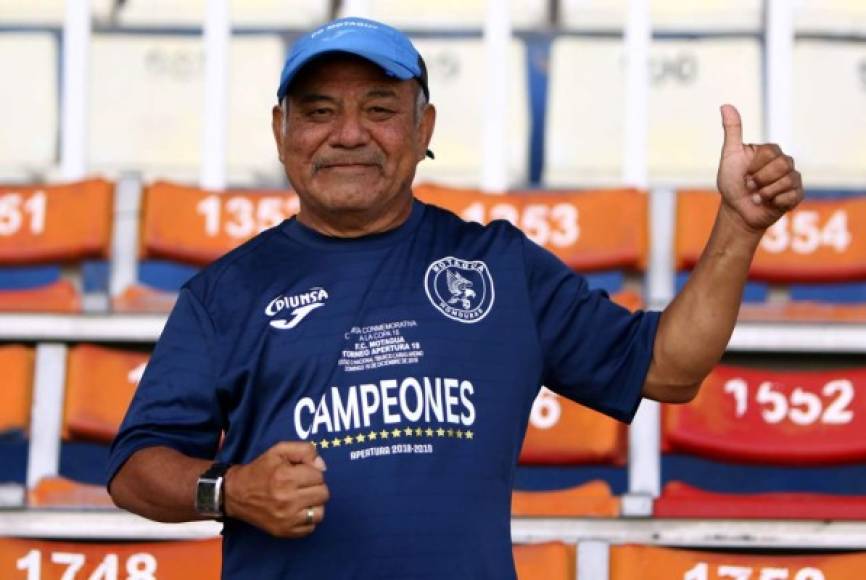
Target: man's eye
x,y
319,113
380,113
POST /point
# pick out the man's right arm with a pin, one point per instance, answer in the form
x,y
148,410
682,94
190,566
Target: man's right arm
x,y
273,492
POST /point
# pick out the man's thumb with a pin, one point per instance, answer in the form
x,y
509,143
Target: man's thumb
x,y
733,129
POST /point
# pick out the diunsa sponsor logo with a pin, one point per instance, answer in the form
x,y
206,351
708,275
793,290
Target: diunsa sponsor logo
x,y
294,308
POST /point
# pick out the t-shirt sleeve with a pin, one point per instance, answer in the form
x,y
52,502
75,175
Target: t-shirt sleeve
x,y
176,403
595,352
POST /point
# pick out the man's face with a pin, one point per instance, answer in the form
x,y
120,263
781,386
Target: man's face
x,y
352,138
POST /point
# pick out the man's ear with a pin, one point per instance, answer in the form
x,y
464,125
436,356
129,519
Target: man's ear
x,y
425,130
277,128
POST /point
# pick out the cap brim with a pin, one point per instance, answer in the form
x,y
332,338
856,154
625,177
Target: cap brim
x,y
390,66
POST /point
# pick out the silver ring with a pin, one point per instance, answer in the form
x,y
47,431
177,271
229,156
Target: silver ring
x,y
310,513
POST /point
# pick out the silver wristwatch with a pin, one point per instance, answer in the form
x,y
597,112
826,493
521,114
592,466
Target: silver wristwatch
x,y
209,493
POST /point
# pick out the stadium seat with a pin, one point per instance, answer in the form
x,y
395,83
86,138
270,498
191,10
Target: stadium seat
x,y
194,226
657,563
28,142
563,432
776,417
174,559
149,92
269,14
830,76
546,561
591,499
46,12
689,80
680,500
668,15
594,232
839,17
819,242
588,230
456,71
16,370
768,417
454,14
48,225
100,383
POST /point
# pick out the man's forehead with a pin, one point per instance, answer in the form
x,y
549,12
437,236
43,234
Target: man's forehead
x,y
345,71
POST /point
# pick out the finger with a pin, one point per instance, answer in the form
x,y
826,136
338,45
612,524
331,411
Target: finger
x,y
788,200
764,154
787,182
297,475
733,127
315,495
298,452
312,516
773,171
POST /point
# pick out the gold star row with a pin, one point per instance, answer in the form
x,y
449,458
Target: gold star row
x,y
393,434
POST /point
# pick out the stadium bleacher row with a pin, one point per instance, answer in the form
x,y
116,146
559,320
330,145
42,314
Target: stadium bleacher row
x,y
771,438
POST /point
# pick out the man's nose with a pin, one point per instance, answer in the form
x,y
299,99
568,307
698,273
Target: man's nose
x,y
349,131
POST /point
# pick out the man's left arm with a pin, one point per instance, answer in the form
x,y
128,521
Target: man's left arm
x,y
758,184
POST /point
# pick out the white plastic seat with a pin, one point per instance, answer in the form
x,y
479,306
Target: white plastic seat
x,y
244,13
708,15
451,14
690,79
830,16
46,12
28,107
146,104
456,73
830,112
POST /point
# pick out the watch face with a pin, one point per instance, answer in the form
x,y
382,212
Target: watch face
x,y
206,497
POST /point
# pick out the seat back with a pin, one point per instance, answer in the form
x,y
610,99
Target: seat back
x,y
456,70
149,88
100,383
776,417
657,563
454,14
16,387
243,13
588,230
28,141
689,79
709,15
545,561
830,76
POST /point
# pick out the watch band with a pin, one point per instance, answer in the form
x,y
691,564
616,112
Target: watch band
x,y
210,496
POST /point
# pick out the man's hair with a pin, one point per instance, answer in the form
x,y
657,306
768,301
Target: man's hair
x,y
420,103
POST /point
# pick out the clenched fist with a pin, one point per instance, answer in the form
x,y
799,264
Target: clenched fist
x,y
758,182
282,491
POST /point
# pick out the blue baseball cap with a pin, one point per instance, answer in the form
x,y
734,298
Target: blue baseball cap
x,y
379,43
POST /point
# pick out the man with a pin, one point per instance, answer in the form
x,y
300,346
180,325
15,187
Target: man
x,y
398,344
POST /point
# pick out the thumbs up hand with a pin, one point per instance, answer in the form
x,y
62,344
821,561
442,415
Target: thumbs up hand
x,y
758,182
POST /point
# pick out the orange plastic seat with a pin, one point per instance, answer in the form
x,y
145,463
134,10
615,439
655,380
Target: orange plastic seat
x,y
53,224
820,241
591,499
680,500
656,563
196,226
547,561
562,432
16,386
776,417
169,560
803,311
588,230
59,492
100,383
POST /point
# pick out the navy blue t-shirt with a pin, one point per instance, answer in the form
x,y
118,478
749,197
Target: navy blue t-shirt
x,y
411,359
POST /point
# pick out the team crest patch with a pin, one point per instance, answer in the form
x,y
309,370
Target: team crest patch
x,y
462,290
